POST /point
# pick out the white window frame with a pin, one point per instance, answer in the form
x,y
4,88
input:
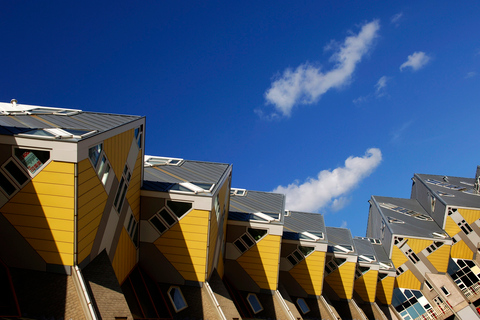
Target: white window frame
x,y
305,304
258,301
171,299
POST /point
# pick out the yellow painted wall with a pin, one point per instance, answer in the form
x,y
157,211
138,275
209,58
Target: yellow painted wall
x,y
440,257
460,250
91,203
366,285
309,273
116,149
407,280
418,245
470,215
261,262
185,245
398,258
133,192
385,290
43,212
341,280
451,227
125,257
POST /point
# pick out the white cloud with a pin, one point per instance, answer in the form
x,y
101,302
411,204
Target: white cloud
x,y
344,224
316,193
415,61
470,74
307,83
399,132
380,86
395,18
339,203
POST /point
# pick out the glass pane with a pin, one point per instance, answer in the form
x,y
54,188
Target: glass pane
x,y
303,305
179,208
306,250
247,240
32,159
177,299
6,185
167,217
204,186
94,154
297,255
158,224
254,303
240,246
292,260
257,234
16,173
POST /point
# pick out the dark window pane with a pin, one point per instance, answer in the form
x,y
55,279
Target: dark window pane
x,y
297,255
257,234
6,185
16,172
158,224
247,240
179,208
292,260
240,246
306,250
167,217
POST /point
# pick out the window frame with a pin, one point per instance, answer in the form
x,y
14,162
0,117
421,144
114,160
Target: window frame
x,y
172,301
258,301
39,168
300,306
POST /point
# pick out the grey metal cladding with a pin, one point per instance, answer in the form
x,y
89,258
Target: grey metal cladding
x,y
411,226
364,246
257,201
460,198
304,221
380,253
30,122
340,236
153,174
103,121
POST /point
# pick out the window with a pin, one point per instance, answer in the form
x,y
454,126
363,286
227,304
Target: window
x,y
394,220
254,303
177,299
102,167
249,238
138,136
412,256
447,293
302,304
238,192
434,246
382,276
405,211
159,161
299,254
333,264
103,170
6,185
444,184
33,160
132,229
360,271
16,173
366,258
400,270
122,189
311,236
94,154
429,286
169,215
465,227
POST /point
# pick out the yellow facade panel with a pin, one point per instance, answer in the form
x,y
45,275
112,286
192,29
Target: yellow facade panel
x,y
185,251
460,250
44,200
59,167
40,222
92,198
188,237
83,253
37,211
341,280
125,257
418,245
366,285
180,243
57,257
90,220
83,165
133,193
49,189
470,215
191,228
451,227
261,262
87,239
309,273
36,233
58,177
408,280
385,290
51,245
117,149
201,222
440,257
398,258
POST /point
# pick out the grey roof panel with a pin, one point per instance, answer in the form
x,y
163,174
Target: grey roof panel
x,y
339,236
380,253
411,226
304,221
257,201
364,247
460,198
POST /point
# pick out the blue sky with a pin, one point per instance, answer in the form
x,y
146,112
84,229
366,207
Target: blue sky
x,y
329,102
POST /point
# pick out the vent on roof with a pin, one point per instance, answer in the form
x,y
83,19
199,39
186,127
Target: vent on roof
x,y
238,192
151,161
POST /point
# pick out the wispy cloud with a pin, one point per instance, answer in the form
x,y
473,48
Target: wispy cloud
x,y
396,18
415,61
381,86
344,224
380,91
398,133
307,83
470,74
339,203
317,193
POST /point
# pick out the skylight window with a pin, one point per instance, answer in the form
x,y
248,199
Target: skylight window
x,y
151,161
394,220
303,305
195,187
366,258
254,303
372,240
311,236
59,133
342,248
177,299
405,211
445,184
445,194
238,192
